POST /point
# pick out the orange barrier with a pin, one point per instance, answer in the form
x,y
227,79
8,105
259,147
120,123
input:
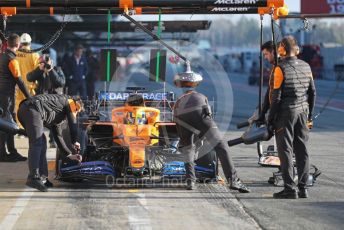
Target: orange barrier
x,y
8,11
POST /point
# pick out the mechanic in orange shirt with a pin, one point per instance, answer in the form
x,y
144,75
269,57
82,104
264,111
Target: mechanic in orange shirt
x,y
10,76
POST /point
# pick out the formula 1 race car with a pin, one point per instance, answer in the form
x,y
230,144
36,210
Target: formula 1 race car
x,y
134,143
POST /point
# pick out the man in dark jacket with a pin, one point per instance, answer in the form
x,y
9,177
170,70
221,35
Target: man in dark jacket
x,y
50,79
10,76
269,55
76,71
47,110
291,108
194,123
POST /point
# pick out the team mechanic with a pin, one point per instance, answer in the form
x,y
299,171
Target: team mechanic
x,y
47,110
49,80
194,121
269,55
27,61
10,76
292,103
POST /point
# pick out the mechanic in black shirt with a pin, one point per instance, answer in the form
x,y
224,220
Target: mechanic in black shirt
x,y
292,103
10,76
47,110
194,122
50,80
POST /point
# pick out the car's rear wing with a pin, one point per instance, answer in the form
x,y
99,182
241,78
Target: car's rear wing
x,y
118,98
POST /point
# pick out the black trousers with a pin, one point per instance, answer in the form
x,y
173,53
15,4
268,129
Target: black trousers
x,y
7,104
292,135
75,88
187,124
32,121
51,137
90,88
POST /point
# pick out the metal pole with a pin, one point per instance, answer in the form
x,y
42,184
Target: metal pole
x,y
274,40
108,62
156,38
303,16
260,96
261,67
157,76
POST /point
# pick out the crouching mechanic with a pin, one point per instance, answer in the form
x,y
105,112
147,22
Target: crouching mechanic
x,y
47,110
194,122
49,79
292,103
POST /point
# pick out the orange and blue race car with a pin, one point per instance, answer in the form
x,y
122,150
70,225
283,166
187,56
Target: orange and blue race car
x,y
134,143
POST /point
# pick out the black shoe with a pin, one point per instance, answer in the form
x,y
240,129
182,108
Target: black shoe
x,y
52,145
303,193
8,158
37,184
48,184
34,181
271,180
17,156
190,185
20,136
286,194
238,185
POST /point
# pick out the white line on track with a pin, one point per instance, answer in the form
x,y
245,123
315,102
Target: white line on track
x,y
138,215
16,211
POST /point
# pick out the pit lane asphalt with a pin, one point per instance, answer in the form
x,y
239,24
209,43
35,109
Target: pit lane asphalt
x,y
87,206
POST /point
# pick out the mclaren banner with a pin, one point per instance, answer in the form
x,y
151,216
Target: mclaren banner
x,y
322,6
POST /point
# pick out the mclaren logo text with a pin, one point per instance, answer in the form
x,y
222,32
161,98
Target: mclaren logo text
x,y
227,2
230,9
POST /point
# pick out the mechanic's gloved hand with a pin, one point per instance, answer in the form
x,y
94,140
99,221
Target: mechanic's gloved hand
x,y
75,157
261,120
22,132
310,123
76,147
271,128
